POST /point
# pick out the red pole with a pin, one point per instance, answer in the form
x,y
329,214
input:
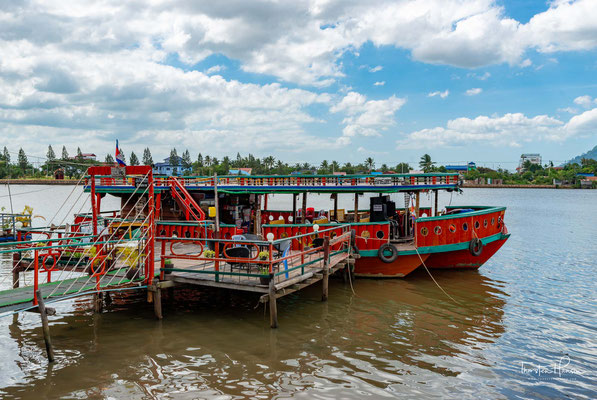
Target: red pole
x,y
162,260
93,206
217,257
151,246
265,202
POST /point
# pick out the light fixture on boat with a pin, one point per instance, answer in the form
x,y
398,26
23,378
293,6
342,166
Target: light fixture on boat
x,y
271,217
18,225
315,227
281,218
270,237
290,219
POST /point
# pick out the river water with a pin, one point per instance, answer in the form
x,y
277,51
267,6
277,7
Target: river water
x,y
524,325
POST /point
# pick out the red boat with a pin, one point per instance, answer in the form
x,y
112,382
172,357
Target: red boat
x,y
391,241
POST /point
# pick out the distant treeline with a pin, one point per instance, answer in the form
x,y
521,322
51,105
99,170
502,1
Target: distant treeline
x,y
75,167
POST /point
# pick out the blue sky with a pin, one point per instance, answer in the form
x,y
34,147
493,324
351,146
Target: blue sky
x,y
462,80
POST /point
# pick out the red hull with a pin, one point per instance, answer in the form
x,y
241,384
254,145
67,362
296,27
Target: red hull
x,y
463,258
373,267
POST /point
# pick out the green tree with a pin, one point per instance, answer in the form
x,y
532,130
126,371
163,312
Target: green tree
x,y
50,155
22,160
64,153
269,162
147,159
109,159
200,160
207,161
134,160
402,168
369,163
79,154
335,166
173,159
425,163
186,160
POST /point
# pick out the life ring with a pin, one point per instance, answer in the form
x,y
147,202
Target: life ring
x,y
476,247
387,247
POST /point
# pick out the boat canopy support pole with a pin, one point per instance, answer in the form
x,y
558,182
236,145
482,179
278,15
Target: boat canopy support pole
x,y
356,207
304,209
335,206
436,196
216,204
294,196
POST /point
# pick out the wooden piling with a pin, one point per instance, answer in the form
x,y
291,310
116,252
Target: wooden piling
x,y
273,310
16,260
157,303
326,268
45,326
97,302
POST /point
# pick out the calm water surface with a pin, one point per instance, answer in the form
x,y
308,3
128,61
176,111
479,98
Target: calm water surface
x,y
533,306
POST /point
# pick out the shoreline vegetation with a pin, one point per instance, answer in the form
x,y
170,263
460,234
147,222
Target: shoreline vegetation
x,y
528,175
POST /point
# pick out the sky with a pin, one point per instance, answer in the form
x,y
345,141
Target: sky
x,y
461,80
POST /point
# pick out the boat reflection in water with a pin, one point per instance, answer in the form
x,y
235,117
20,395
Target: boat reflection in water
x,y
389,333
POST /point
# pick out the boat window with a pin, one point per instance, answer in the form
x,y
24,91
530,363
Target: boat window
x,y
437,230
485,223
424,231
477,224
452,228
493,221
380,234
465,227
187,234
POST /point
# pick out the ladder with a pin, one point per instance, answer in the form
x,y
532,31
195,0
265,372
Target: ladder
x,y
185,200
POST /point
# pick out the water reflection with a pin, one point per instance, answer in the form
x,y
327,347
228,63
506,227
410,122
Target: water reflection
x,y
217,344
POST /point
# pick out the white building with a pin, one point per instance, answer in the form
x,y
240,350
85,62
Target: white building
x,y
534,158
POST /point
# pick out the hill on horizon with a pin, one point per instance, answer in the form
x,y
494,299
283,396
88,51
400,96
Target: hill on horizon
x,y
589,154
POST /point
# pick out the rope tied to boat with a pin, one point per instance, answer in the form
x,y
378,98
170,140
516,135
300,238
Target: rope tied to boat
x,y
437,284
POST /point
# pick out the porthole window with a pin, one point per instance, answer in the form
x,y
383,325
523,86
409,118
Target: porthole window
x,y
437,230
477,225
493,221
380,234
187,234
424,231
465,227
452,228
485,223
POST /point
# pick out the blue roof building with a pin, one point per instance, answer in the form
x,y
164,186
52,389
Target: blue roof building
x,y
164,168
461,168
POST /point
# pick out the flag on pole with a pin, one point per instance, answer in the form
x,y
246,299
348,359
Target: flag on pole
x,y
119,156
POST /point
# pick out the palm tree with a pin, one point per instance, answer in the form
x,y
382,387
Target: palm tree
x,y
426,163
370,163
269,162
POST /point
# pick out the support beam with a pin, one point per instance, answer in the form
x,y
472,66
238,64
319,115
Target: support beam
x,y
356,207
273,309
304,209
417,200
98,302
157,303
436,196
216,205
335,206
45,326
16,268
294,196
326,268
257,224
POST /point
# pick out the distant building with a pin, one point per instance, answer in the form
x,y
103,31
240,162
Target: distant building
x,y
461,168
164,168
533,158
240,171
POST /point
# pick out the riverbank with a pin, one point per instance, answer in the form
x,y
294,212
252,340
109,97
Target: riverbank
x,y
39,182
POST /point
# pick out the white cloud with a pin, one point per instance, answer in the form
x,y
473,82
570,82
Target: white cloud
x,y
569,110
366,117
507,130
585,101
473,91
526,63
215,69
379,83
443,94
376,69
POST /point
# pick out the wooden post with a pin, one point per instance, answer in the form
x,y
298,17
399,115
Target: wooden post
x,y
97,302
16,260
216,204
45,326
157,303
273,310
406,216
436,195
304,209
294,196
326,268
356,207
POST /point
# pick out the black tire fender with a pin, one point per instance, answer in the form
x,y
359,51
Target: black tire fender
x,y
476,247
387,247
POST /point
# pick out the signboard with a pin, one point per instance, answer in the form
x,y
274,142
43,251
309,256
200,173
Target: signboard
x,y
382,181
118,172
141,182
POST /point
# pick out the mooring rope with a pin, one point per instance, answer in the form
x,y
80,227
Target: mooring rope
x,y
429,272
